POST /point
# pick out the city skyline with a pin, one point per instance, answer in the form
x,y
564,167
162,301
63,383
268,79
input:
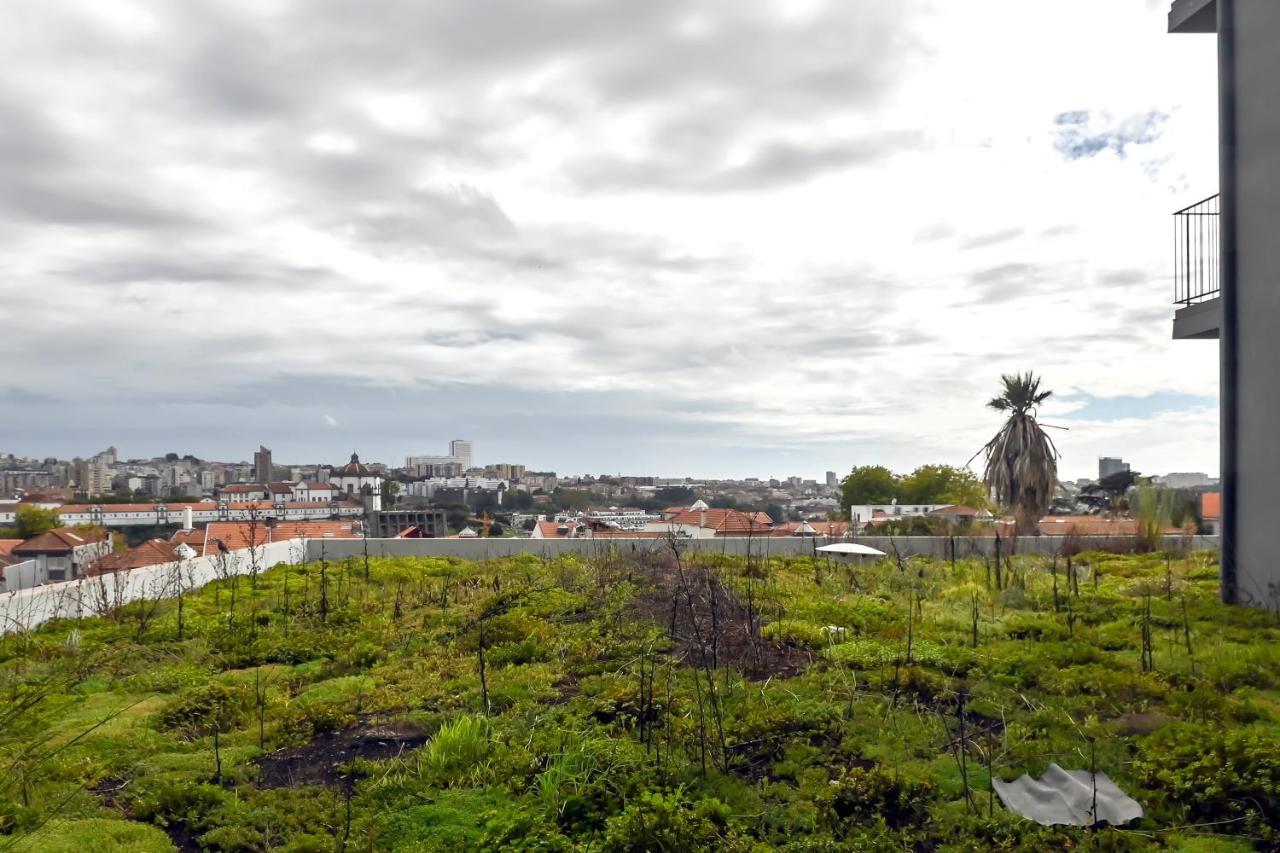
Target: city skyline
x,y
398,462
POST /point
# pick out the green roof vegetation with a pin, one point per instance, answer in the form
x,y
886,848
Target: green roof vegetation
x,y
632,702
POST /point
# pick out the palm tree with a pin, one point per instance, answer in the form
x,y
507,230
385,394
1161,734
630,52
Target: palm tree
x,y
1022,461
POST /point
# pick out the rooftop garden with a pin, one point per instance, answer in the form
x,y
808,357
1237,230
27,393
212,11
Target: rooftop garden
x,y
631,702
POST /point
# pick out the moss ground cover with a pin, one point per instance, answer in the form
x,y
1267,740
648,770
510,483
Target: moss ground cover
x,y
645,702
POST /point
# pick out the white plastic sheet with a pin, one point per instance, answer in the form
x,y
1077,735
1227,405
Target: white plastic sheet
x,y
1066,797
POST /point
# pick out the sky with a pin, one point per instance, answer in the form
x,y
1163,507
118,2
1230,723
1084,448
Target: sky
x,y
669,237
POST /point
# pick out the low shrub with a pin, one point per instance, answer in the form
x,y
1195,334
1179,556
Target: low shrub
x,y
1230,777
210,707
670,823
859,794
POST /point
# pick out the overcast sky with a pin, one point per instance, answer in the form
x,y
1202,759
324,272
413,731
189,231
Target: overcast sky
x,y
669,237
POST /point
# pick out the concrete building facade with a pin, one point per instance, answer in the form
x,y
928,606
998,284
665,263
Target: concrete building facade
x,y
262,465
1227,267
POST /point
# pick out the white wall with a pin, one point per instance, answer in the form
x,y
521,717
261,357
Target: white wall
x,y
22,575
22,610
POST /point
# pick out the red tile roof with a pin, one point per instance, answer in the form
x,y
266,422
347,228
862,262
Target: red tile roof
x,y
60,540
244,534
552,529
956,510
354,468
725,522
821,528
7,546
201,506
153,553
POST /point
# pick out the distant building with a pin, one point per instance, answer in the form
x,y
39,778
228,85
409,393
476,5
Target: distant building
x,y
262,465
238,535
63,554
431,486
460,459
462,450
93,476
408,524
507,471
243,492
832,479
356,480
1109,465
863,514
1186,480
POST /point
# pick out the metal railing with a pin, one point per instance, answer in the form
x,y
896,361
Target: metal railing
x,y
1196,252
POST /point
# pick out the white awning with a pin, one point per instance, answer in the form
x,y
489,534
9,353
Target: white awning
x,y
851,548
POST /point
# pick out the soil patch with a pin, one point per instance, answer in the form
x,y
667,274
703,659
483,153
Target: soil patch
x,y
183,838
710,624
324,761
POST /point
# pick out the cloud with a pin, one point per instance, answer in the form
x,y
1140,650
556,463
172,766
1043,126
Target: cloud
x,y
329,419
703,236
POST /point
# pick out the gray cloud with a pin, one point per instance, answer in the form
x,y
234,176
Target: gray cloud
x,y
592,223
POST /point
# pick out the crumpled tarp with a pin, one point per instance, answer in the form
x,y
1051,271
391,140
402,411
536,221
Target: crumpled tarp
x,y
1066,797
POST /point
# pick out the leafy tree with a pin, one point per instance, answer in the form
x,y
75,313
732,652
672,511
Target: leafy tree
x,y
943,484
563,498
390,493
32,521
1022,461
457,515
675,496
518,499
869,484
776,512
1115,484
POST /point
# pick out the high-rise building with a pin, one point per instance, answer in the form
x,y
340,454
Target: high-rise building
x,y
832,479
262,465
92,476
507,471
461,449
1108,465
460,457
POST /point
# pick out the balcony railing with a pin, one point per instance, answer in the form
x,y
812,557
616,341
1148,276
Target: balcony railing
x,y
1195,252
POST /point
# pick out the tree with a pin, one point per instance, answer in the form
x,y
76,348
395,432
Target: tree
x,y
1022,461
1115,484
943,484
675,496
869,484
32,521
390,492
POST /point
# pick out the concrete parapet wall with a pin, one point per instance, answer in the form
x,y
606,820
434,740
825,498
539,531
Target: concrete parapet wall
x,y
23,610
935,546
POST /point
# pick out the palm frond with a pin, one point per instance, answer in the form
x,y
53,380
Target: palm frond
x,y
1021,459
